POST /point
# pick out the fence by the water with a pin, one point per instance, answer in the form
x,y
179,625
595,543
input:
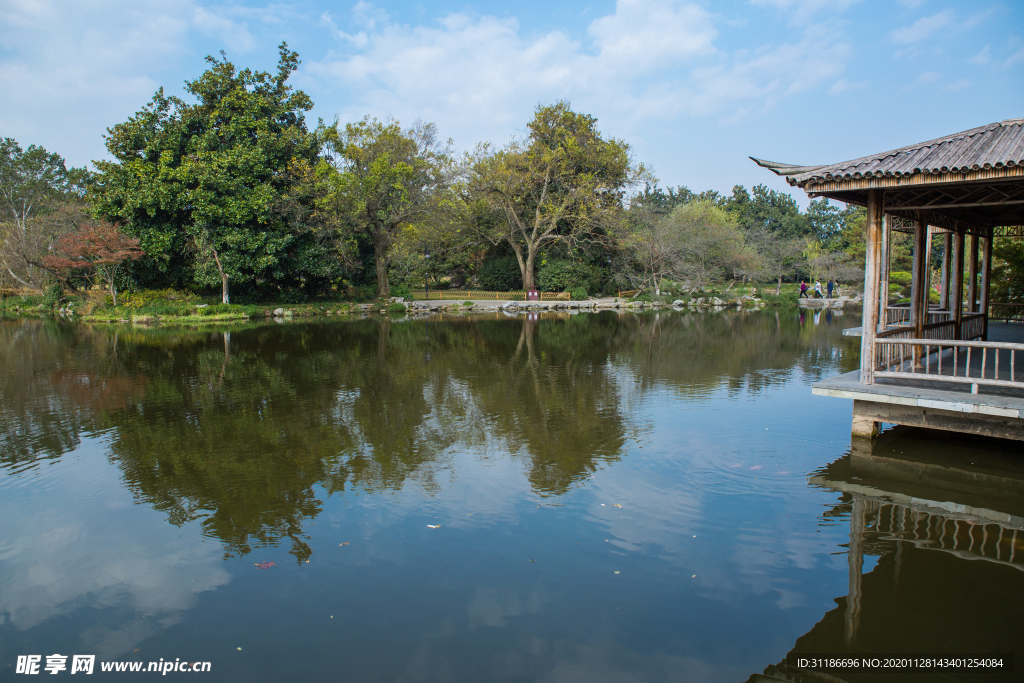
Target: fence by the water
x,y
445,294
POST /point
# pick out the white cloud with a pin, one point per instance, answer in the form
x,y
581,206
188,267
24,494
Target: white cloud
x,y
957,85
641,34
649,60
216,24
843,85
803,11
1016,58
928,77
983,57
61,60
922,28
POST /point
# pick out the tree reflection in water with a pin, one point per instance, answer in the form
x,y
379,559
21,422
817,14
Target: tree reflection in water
x,y
246,428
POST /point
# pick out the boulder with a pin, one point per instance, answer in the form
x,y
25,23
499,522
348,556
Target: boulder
x,y
278,312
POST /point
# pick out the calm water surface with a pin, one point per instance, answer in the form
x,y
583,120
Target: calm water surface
x,y
599,498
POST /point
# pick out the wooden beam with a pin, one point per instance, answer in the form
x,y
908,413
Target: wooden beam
x,y
872,263
936,418
966,205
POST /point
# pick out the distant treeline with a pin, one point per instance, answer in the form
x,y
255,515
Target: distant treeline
x,y
232,191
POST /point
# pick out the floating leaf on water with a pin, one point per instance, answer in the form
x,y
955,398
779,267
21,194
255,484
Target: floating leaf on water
x,y
617,505
433,526
617,571
341,544
264,565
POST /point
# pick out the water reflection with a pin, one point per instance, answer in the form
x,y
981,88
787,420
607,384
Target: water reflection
x,y
246,429
940,528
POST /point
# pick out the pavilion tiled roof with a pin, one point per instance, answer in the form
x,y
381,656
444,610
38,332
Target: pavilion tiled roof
x,y
997,145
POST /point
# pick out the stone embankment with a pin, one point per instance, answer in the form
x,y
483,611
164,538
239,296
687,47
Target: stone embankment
x,y
608,303
838,302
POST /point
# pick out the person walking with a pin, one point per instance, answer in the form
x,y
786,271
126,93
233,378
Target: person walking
x,y
829,286
803,290
817,289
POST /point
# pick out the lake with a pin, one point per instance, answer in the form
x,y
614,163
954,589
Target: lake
x,y
592,497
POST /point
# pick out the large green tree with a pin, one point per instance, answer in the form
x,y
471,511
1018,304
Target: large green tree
x,y
203,185
767,209
384,180
563,183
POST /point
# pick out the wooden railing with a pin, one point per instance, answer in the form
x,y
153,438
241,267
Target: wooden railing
x,y
949,361
627,293
1008,312
895,315
972,326
900,315
463,294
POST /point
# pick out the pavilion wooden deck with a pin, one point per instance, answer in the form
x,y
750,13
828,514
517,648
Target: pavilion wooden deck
x,y
924,366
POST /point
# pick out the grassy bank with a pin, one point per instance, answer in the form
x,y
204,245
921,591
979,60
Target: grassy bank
x,y
168,307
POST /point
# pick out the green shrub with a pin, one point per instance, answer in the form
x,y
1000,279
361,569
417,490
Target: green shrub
x,y
578,294
501,275
401,290
900,277
156,297
363,293
782,300
467,303
396,307
560,275
54,296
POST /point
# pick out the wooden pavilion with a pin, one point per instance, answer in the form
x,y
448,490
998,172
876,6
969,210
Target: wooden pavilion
x,y
919,361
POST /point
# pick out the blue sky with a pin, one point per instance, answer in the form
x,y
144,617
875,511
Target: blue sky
x,y
694,87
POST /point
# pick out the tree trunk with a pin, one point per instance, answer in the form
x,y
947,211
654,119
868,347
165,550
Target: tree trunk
x,y
778,287
113,291
531,258
380,256
223,278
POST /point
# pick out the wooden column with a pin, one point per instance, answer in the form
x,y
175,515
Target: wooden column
x,y
928,270
947,243
956,285
972,286
883,284
918,305
872,263
986,275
